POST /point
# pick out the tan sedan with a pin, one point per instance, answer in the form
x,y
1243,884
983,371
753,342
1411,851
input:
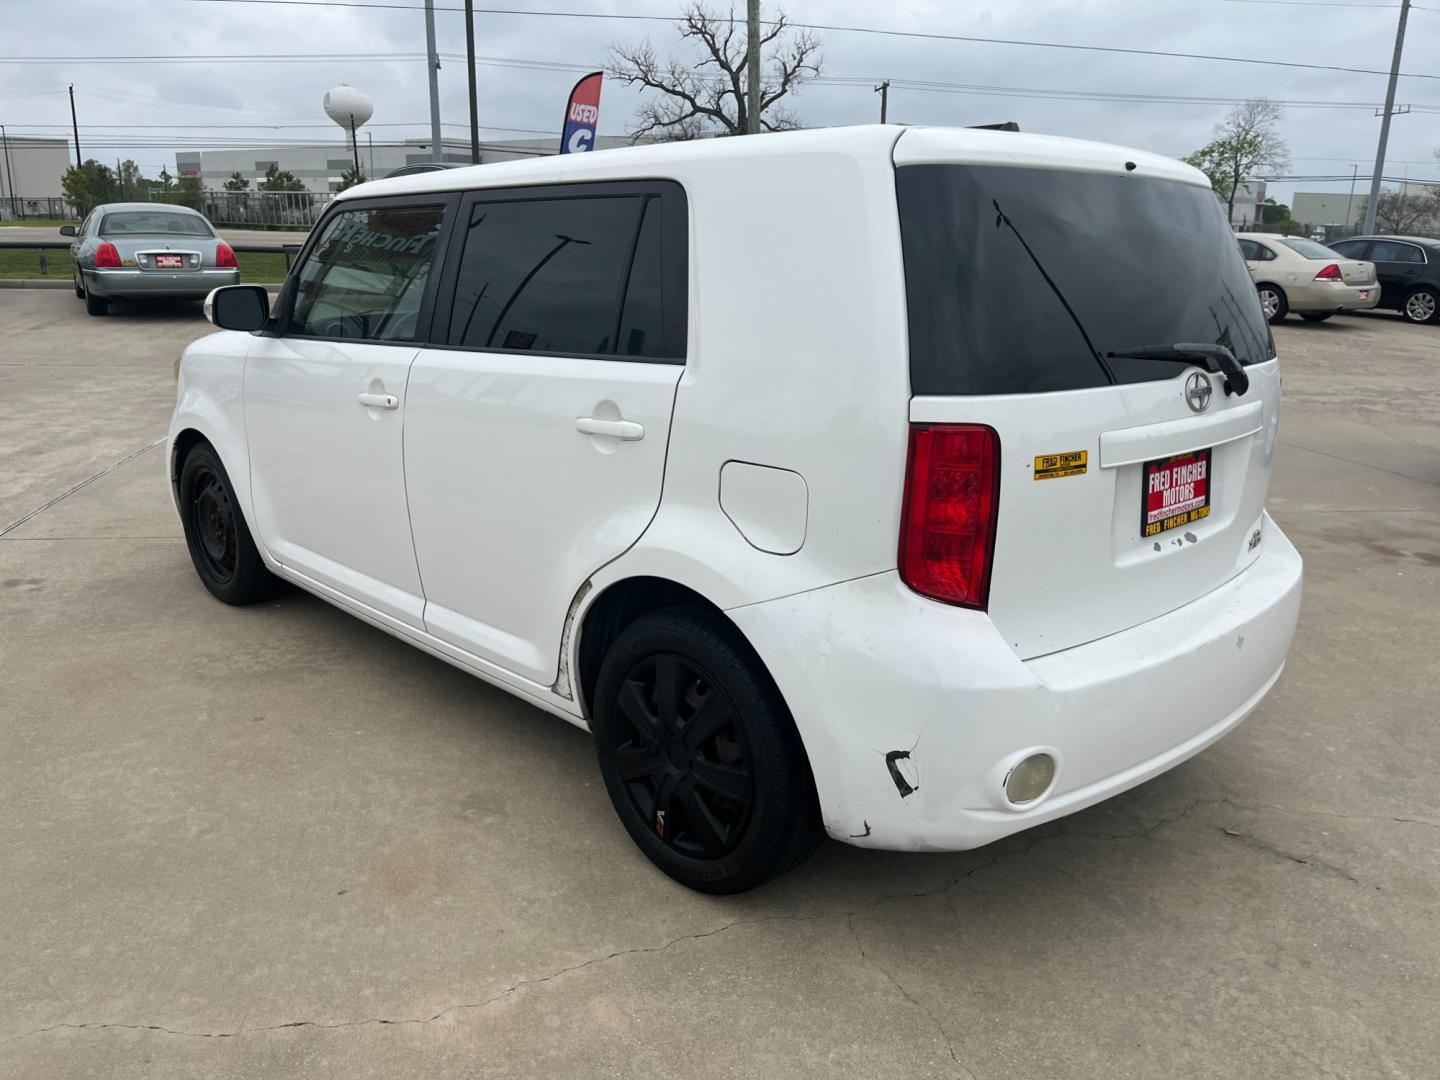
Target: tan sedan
x,y
1292,273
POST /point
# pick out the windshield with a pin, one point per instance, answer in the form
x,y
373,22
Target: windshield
x,y
1310,249
154,223
1017,277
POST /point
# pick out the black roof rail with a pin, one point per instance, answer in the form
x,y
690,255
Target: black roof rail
x,y
1008,125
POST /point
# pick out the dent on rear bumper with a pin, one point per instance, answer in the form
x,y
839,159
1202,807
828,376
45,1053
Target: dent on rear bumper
x,y
912,711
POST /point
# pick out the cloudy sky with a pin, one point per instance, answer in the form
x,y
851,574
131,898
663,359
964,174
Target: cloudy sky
x,y
529,62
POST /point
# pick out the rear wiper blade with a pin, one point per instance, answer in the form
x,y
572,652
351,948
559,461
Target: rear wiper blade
x,y
1217,359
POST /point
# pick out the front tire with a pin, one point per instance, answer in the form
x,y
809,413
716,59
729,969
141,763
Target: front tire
x,y
224,555
700,756
1422,306
1272,302
79,289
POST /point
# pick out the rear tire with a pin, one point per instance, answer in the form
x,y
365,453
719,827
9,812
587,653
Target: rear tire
x,y
96,305
1422,306
224,555
1272,302
700,755
1316,316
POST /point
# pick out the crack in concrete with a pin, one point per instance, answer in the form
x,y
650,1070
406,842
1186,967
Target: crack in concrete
x,y
935,1020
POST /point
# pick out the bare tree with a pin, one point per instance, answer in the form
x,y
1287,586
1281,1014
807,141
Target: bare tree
x,y
708,97
1246,146
1396,212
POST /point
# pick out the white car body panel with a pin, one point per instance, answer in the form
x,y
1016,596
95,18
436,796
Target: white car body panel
x,y
796,361
511,507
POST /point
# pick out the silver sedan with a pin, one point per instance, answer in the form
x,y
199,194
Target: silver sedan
x,y
147,250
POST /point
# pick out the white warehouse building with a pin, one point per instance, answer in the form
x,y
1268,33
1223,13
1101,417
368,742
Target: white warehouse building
x,y
321,166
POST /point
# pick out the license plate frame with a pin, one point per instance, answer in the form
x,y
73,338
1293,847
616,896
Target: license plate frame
x,y
169,262
1160,511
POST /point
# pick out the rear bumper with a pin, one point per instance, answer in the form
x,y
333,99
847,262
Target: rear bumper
x,y
872,670
1320,296
194,284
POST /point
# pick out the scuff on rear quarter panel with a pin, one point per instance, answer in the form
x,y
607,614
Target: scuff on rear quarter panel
x,y
561,685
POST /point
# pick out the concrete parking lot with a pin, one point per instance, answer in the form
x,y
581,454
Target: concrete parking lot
x,y
276,842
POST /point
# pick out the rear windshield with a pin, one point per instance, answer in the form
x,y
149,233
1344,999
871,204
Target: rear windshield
x,y
1309,248
153,223
1008,271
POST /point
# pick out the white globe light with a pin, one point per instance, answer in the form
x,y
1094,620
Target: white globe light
x,y
348,106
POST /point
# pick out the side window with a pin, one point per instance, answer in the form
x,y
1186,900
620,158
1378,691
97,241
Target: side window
x,y
366,276
543,275
1351,249
1263,253
1391,251
1248,249
642,320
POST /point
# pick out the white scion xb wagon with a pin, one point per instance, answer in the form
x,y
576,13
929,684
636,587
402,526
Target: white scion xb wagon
x,y
906,485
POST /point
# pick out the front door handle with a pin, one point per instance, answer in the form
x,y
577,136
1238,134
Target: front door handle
x,y
380,401
625,430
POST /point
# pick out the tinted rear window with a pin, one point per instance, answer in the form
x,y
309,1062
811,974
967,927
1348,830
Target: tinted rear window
x,y
153,223
1009,270
1308,248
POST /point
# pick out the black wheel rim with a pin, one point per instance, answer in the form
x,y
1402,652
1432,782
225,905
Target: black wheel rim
x,y
682,758
212,520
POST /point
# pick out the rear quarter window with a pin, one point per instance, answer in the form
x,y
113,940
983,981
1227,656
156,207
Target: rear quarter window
x,y
1018,280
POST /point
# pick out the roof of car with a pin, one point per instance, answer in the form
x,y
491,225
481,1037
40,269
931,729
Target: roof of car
x,y
1426,241
906,145
148,206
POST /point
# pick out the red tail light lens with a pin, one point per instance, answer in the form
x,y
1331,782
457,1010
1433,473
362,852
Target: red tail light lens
x,y
225,256
947,526
1330,273
107,257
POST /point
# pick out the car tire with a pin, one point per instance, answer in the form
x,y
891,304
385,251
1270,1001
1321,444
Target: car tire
x,y
79,289
1421,306
1316,316
720,807
221,548
96,305
1273,304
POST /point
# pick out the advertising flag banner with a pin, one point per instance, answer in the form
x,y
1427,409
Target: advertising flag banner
x,y
582,113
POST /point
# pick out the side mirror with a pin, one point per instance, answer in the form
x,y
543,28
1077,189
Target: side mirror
x,y
238,307
67,230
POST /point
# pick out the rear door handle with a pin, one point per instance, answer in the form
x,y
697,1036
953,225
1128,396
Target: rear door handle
x,y
625,430
380,401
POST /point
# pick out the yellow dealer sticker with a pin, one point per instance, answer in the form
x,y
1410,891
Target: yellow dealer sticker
x,y
1070,463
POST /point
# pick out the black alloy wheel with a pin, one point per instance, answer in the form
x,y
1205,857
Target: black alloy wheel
x,y
683,757
221,549
700,755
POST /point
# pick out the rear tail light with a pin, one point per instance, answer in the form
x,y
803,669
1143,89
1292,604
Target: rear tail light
x,y
107,257
225,256
1330,273
947,525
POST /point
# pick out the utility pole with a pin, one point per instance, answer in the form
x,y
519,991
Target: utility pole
x,y
1350,202
120,179
432,65
752,67
355,145
1370,207
884,91
9,175
470,74
75,124
370,138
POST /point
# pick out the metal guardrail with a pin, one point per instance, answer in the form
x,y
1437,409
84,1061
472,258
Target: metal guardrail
x,y
289,250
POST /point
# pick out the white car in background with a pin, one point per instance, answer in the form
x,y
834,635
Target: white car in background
x,y
834,480
1293,273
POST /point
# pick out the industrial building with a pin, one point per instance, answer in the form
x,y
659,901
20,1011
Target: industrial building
x,y
30,172
321,166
